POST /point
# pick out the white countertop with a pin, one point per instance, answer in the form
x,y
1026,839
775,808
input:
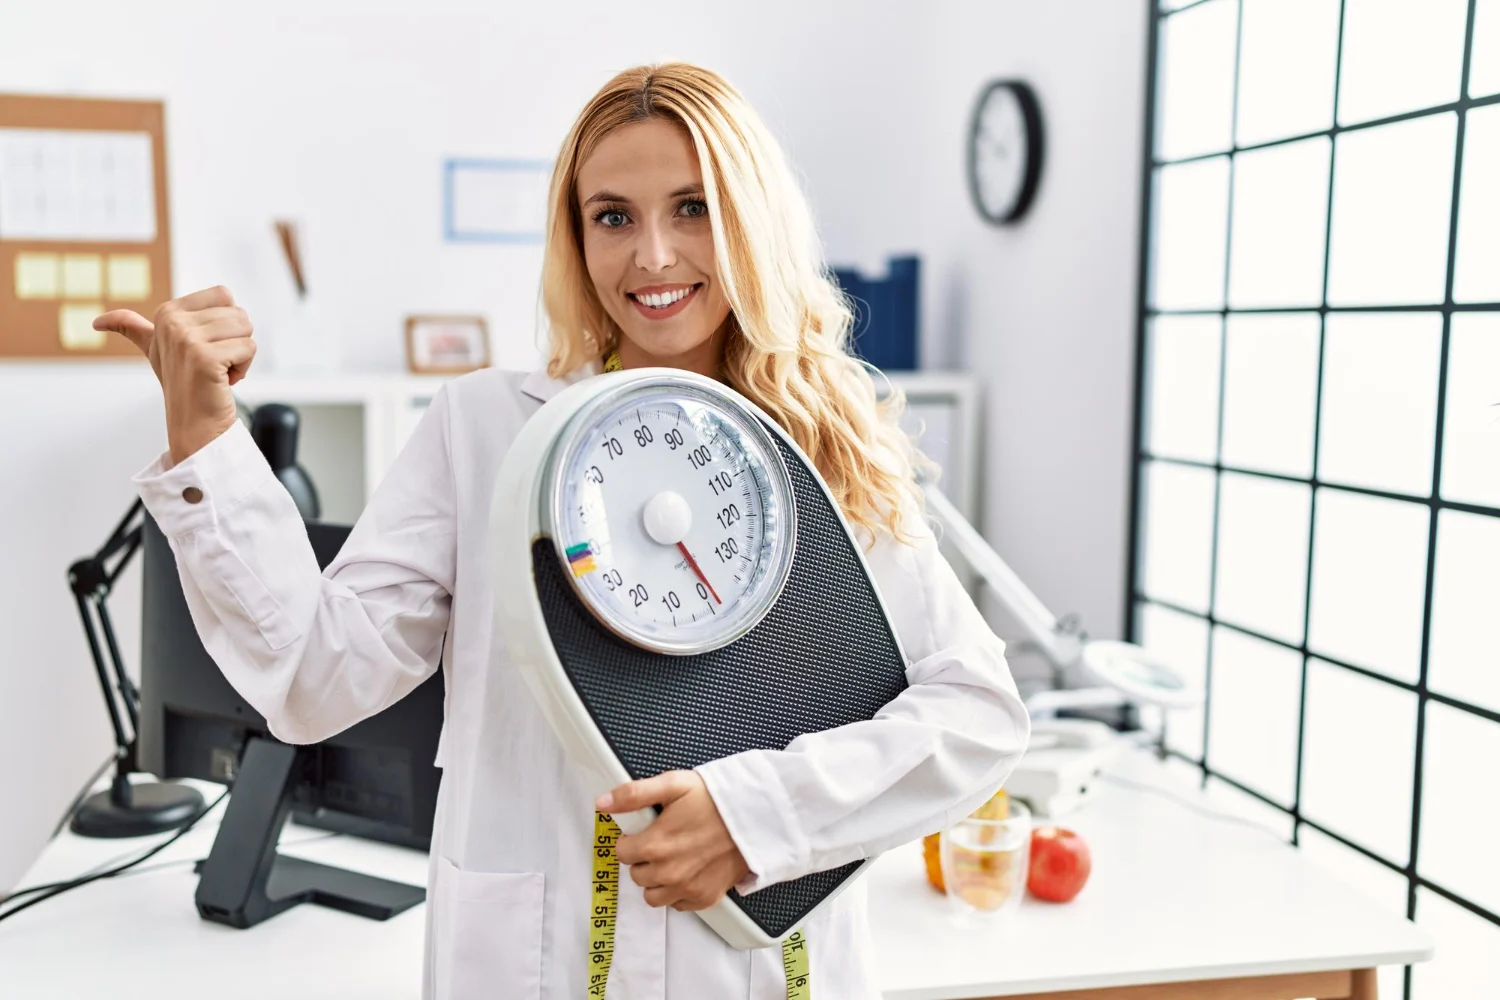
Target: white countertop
x,y
1175,895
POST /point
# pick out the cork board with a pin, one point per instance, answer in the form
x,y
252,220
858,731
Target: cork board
x,y
83,222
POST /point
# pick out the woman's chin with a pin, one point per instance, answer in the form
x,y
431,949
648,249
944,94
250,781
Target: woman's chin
x,y
662,347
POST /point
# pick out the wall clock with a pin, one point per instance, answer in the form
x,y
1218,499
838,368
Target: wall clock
x,y
1005,149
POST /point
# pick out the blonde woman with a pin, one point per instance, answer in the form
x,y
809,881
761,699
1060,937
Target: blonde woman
x,y
676,237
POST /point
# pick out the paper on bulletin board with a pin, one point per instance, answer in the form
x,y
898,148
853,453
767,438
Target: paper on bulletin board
x,y
76,186
75,326
38,276
496,201
83,275
129,277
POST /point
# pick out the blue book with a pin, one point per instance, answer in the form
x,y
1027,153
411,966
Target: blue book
x,y
885,313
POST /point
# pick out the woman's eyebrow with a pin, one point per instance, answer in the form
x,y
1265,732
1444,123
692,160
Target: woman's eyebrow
x,y
682,192
606,196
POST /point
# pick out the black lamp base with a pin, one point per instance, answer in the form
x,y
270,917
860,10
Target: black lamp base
x,y
135,810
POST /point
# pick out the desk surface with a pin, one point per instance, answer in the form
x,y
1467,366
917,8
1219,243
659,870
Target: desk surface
x,y
1175,896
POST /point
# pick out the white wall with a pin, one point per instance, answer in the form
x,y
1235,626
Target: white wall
x,y
1044,310
339,114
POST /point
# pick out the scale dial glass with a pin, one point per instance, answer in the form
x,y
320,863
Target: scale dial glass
x,y
672,514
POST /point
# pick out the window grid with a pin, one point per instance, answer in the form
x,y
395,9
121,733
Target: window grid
x,y
1137,599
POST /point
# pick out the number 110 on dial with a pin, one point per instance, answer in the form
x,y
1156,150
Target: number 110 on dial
x,y
673,515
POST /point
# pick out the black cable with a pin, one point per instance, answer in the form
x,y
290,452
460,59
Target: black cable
x,y
57,889
83,793
29,890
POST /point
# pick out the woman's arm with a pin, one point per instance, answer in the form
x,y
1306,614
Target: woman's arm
x,y
928,758
313,652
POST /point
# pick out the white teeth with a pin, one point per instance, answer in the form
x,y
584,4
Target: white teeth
x,y
661,301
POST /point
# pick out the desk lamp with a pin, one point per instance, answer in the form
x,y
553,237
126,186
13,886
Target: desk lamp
x,y
133,809
1064,755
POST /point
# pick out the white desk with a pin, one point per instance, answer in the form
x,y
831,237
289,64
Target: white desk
x,y
1176,897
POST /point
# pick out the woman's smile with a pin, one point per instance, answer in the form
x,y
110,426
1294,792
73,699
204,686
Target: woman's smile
x,y
663,301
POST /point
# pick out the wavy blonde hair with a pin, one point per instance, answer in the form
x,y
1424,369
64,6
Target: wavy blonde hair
x,y
789,338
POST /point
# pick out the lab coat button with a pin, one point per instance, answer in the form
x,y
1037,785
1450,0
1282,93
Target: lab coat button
x,y
192,494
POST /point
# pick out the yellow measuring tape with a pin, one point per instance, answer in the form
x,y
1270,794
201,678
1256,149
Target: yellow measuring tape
x,y
606,906
794,962
606,903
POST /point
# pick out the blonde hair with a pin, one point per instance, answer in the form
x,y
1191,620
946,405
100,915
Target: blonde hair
x,y
788,344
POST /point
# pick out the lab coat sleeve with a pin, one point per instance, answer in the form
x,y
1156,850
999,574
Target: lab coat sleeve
x,y
928,758
314,652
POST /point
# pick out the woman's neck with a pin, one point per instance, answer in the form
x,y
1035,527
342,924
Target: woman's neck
x,y
705,359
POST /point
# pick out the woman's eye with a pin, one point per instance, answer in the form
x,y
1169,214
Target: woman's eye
x,y
694,209
612,219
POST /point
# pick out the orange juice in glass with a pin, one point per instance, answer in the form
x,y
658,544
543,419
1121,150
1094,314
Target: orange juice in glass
x,y
984,861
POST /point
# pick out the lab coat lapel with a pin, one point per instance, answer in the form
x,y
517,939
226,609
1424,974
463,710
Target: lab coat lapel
x,y
541,387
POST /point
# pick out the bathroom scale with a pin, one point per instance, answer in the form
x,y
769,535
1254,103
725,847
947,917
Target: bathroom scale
x,y
676,584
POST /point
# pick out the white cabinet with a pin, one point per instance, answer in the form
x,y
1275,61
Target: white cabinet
x,y
351,430
354,426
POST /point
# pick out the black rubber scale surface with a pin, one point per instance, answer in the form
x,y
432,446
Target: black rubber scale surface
x,y
824,656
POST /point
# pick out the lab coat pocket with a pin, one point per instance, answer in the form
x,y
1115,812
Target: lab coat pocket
x,y
487,934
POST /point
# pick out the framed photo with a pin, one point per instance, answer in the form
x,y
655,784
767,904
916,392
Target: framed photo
x,y
446,345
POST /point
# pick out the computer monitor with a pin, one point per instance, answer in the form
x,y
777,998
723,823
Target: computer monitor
x,y
375,779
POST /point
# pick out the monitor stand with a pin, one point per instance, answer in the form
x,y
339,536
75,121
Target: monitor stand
x,y
244,880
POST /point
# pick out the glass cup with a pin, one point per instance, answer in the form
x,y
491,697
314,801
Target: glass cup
x,y
985,863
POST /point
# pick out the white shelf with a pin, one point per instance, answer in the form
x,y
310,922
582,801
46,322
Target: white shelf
x,y
353,427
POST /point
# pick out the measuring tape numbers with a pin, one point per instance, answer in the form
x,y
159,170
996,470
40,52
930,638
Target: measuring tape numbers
x,y
604,903
604,908
794,962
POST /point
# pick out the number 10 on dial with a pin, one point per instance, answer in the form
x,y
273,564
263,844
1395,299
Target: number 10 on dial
x,y
672,512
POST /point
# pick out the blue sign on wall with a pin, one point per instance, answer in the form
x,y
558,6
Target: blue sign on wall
x,y
495,201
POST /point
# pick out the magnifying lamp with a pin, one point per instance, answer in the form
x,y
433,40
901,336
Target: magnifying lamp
x,y
1122,672
1064,756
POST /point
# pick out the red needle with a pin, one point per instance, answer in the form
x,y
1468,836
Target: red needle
x,y
694,563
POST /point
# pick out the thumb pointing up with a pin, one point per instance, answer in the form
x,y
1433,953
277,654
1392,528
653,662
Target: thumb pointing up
x,y
136,328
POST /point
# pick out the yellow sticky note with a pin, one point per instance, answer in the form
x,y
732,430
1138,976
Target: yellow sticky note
x,y
75,326
37,276
129,277
83,276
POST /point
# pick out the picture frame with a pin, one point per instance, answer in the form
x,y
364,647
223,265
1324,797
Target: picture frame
x,y
446,345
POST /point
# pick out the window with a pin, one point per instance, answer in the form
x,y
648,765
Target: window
x,y
1317,480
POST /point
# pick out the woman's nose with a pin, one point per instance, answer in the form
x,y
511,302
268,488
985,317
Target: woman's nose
x,y
654,250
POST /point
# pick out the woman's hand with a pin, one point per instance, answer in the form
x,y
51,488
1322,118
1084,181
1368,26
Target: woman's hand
x,y
199,346
686,858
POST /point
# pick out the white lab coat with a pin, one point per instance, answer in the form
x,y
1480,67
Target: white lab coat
x,y
509,886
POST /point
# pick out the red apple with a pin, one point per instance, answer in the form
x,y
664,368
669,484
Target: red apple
x,y
1060,864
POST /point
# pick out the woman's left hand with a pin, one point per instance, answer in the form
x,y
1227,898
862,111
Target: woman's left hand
x,y
686,858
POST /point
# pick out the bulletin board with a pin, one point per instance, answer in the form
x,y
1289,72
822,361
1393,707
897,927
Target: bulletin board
x,y
83,222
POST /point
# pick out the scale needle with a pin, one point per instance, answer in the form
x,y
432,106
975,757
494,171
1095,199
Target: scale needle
x,y
694,563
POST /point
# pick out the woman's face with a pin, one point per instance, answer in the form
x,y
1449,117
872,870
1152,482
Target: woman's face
x,y
649,248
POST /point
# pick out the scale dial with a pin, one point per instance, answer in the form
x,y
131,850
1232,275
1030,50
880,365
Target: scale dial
x,y
672,513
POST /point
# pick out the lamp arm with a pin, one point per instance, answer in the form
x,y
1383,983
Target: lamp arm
x,y
90,579
121,743
1061,647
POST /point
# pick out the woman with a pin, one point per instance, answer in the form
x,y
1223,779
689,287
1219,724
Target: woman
x,y
676,237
